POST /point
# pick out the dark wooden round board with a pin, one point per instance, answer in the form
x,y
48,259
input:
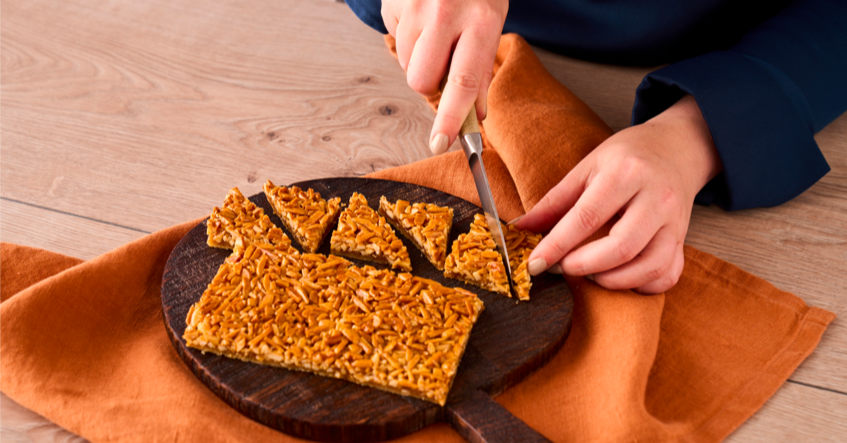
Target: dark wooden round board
x,y
508,342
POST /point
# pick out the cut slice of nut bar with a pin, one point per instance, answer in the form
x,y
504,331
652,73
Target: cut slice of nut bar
x,y
427,225
474,258
364,235
304,213
240,222
395,332
520,244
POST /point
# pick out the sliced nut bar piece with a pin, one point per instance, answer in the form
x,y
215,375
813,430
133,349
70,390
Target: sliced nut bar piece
x,y
239,223
363,234
395,332
427,225
304,213
520,244
474,258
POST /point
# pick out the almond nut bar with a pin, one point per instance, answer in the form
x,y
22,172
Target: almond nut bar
x,y
304,213
474,258
427,225
270,304
395,332
364,235
520,244
240,222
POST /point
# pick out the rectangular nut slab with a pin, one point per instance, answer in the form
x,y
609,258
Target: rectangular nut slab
x,y
395,332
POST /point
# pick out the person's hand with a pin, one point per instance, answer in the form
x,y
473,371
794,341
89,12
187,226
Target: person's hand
x,y
427,32
649,175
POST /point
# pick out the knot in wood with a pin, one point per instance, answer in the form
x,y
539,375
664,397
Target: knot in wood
x,y
387,110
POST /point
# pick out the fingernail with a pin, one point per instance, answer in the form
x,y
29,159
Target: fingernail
x,y
484,109
438,144
537,266
555,269
590,277
516,219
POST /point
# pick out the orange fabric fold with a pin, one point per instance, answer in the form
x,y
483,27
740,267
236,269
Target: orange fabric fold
x,y
84,344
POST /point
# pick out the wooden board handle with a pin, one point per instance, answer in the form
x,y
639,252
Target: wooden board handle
x,y
480,419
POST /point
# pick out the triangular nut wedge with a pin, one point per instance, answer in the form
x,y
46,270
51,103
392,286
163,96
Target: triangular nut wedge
x,y
362,234
239,222
304,213
427,225
474,258
520,244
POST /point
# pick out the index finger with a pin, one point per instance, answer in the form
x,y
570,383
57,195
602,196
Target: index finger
x,y
602,199
556,203
473,57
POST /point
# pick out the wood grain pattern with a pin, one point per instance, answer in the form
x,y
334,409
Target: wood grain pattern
x,y
156,108
240,95
480,419
805,412
60,232
20,425
508,342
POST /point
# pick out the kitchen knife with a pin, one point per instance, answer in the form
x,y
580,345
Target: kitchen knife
x,y
471,140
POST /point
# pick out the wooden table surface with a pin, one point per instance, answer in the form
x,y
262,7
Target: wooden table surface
x,y
120,118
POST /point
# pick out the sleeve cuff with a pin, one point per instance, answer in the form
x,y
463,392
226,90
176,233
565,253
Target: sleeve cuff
x,y
760,122
369,11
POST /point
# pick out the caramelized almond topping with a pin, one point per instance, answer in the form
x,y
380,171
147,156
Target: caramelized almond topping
x,y
363,234
474,258
304,213
271,305
425,224
240,222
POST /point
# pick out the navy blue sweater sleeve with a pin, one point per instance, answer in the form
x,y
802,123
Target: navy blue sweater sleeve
x,y
764,99
369,12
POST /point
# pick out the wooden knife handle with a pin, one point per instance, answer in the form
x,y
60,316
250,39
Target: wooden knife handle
x,y
471,124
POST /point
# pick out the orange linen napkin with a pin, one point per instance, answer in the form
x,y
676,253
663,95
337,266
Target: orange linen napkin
x,y
85,345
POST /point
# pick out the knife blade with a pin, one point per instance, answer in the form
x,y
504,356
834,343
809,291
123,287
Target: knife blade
x,y
471,140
